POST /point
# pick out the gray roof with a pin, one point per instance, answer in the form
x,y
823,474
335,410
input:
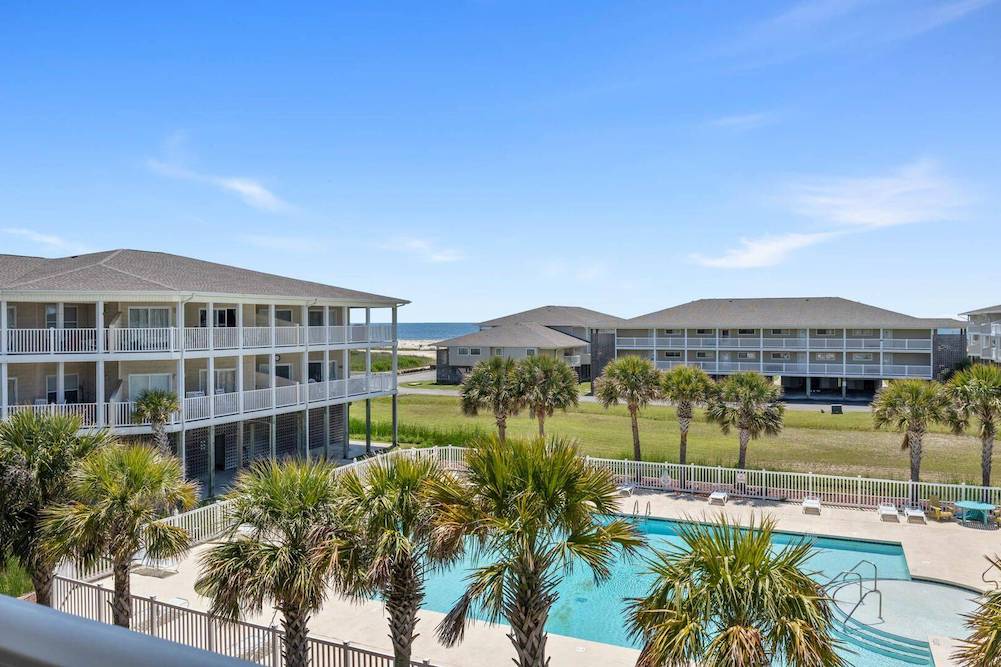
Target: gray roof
x,y
784,313
519,334
144,271
983,311
560,316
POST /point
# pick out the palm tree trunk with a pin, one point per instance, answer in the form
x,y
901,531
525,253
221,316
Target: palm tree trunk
x,y
295,622
986,453
160,437
502,427
541,416
121,605
914,443
404,597
634,418
41,581
528,615
684,423
744,438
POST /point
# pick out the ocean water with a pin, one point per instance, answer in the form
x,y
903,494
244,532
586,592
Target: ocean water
x,y
433,330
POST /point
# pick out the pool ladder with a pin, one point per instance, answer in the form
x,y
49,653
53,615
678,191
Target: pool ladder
x,y
847,577
646,512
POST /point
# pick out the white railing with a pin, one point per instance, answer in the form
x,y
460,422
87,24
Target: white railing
x,y
85,412
257,336
785,343
665,365
357,385
337,335
906,370
317,335
357,333
225,338
634,342
773,367
738,366
259,644
257,399
907,343
379,382
572,360
288,336
197,407
380,333
51,341
862,343
740,342
337,388
317,391
827,343
286,395
142,340
226,404
701,342
196,338
670,341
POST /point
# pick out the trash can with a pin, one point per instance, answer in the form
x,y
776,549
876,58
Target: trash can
x,y
836,410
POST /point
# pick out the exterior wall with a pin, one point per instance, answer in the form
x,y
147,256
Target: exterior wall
x,y
602,351
31,380
949,352
31,315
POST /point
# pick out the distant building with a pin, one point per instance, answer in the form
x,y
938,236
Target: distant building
x,y
261,363
984,334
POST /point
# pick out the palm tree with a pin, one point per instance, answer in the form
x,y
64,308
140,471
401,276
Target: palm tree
x,y
533,511
725,596
395,528
633,381
686,387
38,454
983,645
157,406
749,403
976,393
911,406
116,498
546,384
490,385
294,550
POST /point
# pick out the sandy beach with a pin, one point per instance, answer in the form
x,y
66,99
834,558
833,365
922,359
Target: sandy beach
x,y
418,348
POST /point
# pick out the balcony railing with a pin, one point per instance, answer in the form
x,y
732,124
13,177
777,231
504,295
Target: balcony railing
x,y
907,343
785,343
196,408
799,368
171,339
572,360
635,342
740,342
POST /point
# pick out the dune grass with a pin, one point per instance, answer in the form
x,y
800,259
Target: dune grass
x,y
811,441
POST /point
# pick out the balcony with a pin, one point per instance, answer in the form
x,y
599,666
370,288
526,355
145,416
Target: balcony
x,y
671,341
634,343
171,339
572,360
922,344
785,343
198,408
728,342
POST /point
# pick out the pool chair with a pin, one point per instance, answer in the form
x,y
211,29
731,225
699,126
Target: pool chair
x,y
718,497
625,489
938,511
888,512
915,514
811,505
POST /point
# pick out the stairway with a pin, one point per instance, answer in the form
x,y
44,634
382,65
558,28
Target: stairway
x,y
859,636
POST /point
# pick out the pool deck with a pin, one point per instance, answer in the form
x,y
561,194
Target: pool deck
x,y
947,552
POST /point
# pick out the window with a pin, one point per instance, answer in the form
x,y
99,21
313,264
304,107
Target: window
x,y
70,317
142,318
747,355
704,332
11,391
316,371
283,317
474,351
283,371
530,352
827,356
862,332
316,318
862,356
781,356
221,317
825,332
668,332
701,355
11,317
71,388
464,350
745,332
724,333
778,332
225,380
672,355
498,351
142,382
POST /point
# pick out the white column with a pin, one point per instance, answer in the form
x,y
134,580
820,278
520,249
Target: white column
x,y
179,324
271,363
684,344
179,389
396,427
3,390
239,367
326,349
717,350
210,374
392,334
61,382
368,350
304,386
881,356
3,334
210,323
99,324
99,390
761,350
844,356
60,312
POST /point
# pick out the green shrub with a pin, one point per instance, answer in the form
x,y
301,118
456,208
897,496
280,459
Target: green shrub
x,y
416,434
14,581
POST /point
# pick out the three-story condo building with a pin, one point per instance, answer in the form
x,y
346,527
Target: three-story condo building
x,y
820,346
984,334
263,365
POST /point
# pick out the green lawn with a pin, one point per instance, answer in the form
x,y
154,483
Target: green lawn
x,y
383,361
14,580
811,442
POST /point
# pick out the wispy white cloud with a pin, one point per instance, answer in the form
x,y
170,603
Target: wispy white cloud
x,y
761,252
915,193
746,121
48,243
812,26
425,250
252,192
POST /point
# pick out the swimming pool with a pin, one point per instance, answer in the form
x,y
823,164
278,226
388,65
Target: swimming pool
x,y
594,612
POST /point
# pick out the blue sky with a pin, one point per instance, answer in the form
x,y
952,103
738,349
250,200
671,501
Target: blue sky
x,y
483,157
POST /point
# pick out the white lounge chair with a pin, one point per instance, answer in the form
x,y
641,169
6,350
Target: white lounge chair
x,y
626,489
915,514
719,497
811,505
888,512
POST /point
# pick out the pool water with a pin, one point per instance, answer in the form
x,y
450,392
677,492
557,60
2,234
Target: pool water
x,y
594,612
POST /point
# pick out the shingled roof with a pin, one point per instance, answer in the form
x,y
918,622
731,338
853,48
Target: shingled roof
x,y
560,316
983,311
519,334
784,312
144,271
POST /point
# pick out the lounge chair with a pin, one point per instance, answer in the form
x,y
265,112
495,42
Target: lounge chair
x,y
887,512
719,497
811,505
938,511
915,514
626,488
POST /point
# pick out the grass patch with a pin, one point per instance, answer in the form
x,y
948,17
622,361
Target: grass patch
x,y
14,580
430,384
418,434
811,441
383,361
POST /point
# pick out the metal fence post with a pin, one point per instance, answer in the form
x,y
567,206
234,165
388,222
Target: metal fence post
x,y
211,635
154,615
99,591
346,657
276,647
